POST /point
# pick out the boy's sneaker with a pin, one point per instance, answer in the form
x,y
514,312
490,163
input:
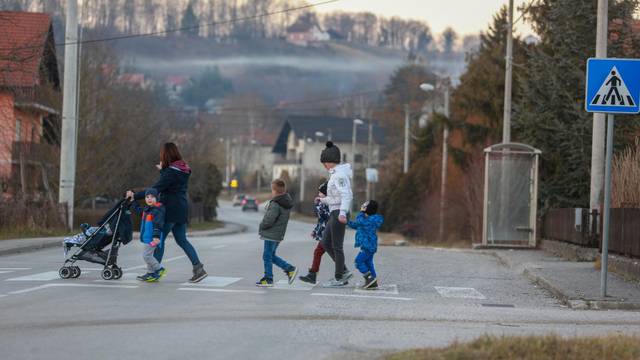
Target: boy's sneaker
x,y
265,282
143,277
162,272
370,282
198,273
309,278
152,277
292,274
335,283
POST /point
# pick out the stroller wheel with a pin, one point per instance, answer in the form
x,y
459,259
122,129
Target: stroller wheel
x,y
75,272
65,272
117,273
107,274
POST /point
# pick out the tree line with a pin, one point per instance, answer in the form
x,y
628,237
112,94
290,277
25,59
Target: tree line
x,y
111,17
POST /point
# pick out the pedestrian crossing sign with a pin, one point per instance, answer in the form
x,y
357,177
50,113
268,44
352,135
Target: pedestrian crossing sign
x,y
613,86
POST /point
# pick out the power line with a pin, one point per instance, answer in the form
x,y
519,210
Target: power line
x,y
525,11
194,27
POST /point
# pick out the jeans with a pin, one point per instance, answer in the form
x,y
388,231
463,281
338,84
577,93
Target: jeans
x,y
333,242
179,231
317,257
269,257
364,262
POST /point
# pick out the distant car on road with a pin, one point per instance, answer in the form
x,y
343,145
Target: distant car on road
x,y
250,204
237,200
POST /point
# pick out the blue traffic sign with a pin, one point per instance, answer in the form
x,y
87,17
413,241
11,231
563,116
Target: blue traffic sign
x,y
613,86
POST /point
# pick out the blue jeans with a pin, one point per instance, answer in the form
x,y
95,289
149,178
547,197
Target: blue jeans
x,y
364,262
179,231
269,257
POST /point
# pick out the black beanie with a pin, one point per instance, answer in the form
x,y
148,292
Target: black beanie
x,y
331,154
370,207
323,188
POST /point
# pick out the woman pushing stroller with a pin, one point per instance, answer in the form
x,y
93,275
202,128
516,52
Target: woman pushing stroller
x,y
172,190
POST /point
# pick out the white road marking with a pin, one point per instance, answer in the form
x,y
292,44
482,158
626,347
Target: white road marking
x,y
387,289
70,285
1,296
163,261
127,278
364,296
14,269
5,271
224,290
297,285
217,247
214,281
459,292
45,276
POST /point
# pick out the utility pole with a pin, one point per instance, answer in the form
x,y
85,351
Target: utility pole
x,y
68,142
405,169
445,160
599,120
508,79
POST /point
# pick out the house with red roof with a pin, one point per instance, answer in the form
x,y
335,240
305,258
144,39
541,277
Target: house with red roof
x,y
306,31
29,98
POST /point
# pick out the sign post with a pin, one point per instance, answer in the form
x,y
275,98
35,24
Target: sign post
x,y
613,87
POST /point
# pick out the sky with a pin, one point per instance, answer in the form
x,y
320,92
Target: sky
x,y
465,16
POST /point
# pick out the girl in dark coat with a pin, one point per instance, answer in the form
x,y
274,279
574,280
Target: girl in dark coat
x,y
172,186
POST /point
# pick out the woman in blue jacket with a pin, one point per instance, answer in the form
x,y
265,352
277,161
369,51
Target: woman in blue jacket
x,y
172,186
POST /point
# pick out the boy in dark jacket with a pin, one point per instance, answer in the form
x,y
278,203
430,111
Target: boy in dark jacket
x,y
323,213
151,233
272,230
366,225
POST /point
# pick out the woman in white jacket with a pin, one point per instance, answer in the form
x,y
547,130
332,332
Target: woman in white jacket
x,y
339,197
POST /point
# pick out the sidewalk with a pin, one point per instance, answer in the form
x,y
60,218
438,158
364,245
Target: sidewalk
x,y
8,247
575,284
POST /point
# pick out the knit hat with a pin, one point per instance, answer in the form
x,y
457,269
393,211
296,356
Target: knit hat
x,y
370,207
323,188
331,154
151,191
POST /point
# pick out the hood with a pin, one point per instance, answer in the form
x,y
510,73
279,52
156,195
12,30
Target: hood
x,y
375,220
181,165
343,169
284,200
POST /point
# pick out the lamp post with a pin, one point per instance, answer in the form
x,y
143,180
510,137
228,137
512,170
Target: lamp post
x,y
356,122
445,155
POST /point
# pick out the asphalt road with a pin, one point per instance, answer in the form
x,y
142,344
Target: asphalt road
x,y
430,298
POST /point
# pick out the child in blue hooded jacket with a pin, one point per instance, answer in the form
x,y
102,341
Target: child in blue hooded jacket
x,y
151,233
366,225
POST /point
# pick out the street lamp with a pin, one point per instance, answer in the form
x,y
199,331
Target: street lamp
x,y
356,122
319,134
445,152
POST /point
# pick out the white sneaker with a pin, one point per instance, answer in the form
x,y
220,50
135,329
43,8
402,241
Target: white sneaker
x,y
333,283
347,275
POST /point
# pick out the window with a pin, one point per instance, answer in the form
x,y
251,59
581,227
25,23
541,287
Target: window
x,y
18,129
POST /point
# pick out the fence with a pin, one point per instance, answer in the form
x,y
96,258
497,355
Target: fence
x,y
575,226
625,232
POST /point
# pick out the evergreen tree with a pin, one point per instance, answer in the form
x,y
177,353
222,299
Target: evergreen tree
x,y
550,113
189,20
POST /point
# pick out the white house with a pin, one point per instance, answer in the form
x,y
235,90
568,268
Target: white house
x,y
306,31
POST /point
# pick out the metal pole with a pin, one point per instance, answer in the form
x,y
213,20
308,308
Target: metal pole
x,y
69,113
369,154
506,120
353,144
445,159
607,207
598,134
227,169
405,169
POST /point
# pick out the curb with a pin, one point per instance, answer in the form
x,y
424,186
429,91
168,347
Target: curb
x,y
579,304
235,228
47,243
43,244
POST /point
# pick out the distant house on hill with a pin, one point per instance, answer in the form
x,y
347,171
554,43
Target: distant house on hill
x,y
306,31
175,84
29,94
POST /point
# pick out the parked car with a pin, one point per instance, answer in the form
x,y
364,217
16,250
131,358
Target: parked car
x,y
237,200
250,204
